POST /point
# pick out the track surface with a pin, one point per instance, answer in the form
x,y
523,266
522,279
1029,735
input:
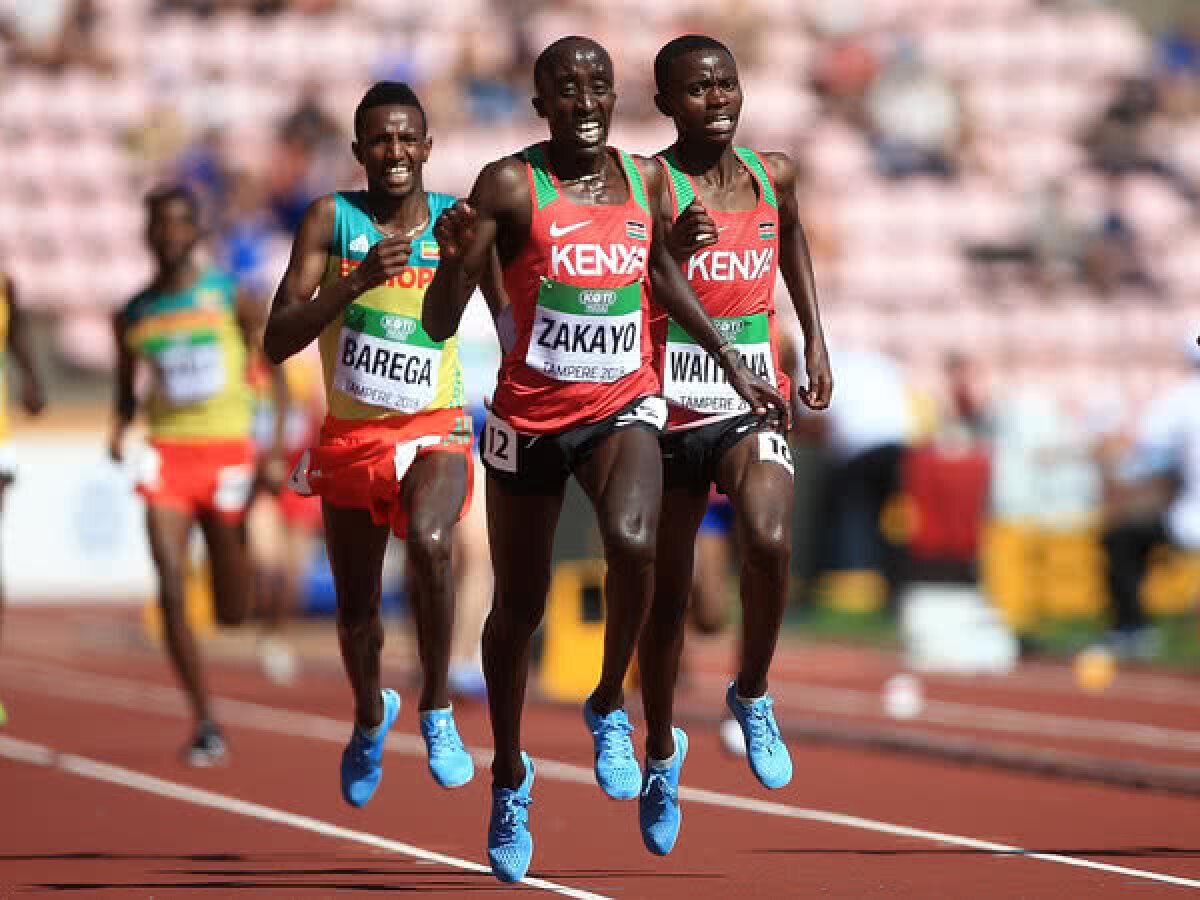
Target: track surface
x,y
95,802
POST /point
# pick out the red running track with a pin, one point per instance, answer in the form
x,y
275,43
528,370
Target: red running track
x,y
95,803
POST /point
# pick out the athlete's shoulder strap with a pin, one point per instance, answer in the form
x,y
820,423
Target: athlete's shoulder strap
x,y
545,191
637,185
758,168
681,186
437,202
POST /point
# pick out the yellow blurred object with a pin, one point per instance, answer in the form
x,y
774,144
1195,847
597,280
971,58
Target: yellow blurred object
x,y
197,605
573,649
1172,582
1095,669
852,591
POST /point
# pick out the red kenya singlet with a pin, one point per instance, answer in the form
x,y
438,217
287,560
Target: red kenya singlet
x,y
579,292
735,281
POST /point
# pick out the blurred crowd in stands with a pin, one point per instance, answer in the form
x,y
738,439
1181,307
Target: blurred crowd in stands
x,y
1001,196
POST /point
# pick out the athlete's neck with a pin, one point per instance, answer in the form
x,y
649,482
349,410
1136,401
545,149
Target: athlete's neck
x,y
570,164
180,276
398,215
716,164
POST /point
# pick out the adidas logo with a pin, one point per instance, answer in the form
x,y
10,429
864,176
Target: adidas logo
x,y
360,244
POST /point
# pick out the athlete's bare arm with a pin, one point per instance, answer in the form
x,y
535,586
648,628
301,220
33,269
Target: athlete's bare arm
x,y
475,237
492,287
795,264
673,293
124,401
33,396
300,310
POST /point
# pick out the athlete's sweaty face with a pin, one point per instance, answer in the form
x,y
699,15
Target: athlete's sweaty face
x,y
704,96
392,147
172,231
576,98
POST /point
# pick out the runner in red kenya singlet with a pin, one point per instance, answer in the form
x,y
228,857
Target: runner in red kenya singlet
x,y
569,228
735,224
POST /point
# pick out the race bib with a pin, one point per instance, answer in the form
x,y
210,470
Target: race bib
x,y
386,359
693,379
773,447
234,484
499,444
191,372
586,334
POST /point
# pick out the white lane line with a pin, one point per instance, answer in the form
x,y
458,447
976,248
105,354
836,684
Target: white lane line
x,y
851,701
143,697
41,755
831,818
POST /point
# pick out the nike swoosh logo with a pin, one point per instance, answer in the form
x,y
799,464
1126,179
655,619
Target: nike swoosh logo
x,y
555,231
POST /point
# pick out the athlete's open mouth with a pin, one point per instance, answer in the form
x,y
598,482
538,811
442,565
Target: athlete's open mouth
x,y
398,174
590,132
719,124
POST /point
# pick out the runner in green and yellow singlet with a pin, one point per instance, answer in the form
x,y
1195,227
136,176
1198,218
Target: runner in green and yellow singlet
x,y
191,328
14,343
394,451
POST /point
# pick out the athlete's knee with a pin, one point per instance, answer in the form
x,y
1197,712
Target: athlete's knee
x,y
515,617
766,541
355,615
430,547
632,540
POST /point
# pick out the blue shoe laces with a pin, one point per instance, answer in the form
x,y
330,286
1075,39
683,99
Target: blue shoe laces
x,y
613,738
761,725
444,740
658,789
514,814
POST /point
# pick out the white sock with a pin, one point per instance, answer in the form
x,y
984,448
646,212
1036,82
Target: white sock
x,y
664,763
747,701
375,730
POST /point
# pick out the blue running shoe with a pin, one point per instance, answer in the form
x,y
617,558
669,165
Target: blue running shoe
x,y
362,760
617,770
765,750
658,806
510,845
449,760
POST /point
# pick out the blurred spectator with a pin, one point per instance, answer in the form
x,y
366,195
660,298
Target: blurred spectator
x,y
1155,499
865,429
207,8
1050,249
1177,67
845,67
1112,257
52,34
1119,142
914,116
245,229
306,158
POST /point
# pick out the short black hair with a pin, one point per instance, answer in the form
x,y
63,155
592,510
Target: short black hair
x,y
159,196
541,66
387,93
678,47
